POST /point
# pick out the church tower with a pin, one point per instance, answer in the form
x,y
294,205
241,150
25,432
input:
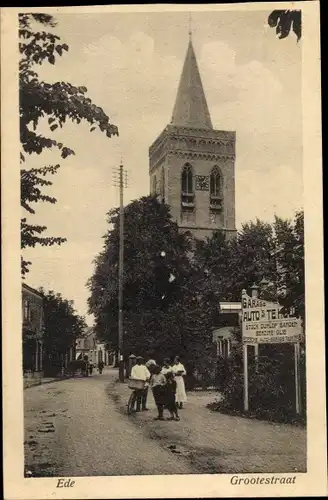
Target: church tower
x,y
192,165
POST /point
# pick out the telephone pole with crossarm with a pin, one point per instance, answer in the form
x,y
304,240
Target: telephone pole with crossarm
x,y
120,181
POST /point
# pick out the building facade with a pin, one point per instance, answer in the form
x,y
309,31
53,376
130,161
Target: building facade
x,y
192,165
230,317
90,346
32,329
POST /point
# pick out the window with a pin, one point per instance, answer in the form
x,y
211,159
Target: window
x,y
187,180
187,188
215,183
188,216
213,217
216,197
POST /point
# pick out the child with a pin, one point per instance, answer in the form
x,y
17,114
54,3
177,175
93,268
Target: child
x,y
171,387
157,383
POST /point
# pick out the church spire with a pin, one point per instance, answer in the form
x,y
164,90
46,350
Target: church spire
x,y
191,108
190,32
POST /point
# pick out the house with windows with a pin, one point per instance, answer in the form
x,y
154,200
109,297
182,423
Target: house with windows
x,y
32,330
89,345
192,165
229,318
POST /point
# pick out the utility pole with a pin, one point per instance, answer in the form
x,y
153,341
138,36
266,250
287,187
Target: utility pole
x,y
120,180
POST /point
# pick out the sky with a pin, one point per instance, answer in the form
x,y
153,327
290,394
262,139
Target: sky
x,y
131,65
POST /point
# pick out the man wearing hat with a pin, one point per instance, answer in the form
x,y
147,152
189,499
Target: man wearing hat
x,y
141,372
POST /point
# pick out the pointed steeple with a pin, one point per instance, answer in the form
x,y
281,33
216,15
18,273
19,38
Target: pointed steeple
x,y
191,108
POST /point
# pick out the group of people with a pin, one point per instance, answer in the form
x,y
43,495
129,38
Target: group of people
x,y
167,385
88,367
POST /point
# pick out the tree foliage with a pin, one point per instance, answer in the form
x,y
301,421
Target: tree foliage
x,y
62,327
162,315
268,255
289,236
58,103
286,21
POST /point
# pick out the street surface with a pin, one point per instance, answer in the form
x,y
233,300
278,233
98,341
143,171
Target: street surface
x,y
79,427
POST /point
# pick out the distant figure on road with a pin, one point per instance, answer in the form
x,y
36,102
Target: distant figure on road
x,y
170,404
158,383
100,367
141,372
90,368
179,372
166,366
85,368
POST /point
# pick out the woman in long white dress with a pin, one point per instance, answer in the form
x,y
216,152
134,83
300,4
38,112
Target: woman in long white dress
x,y
179,372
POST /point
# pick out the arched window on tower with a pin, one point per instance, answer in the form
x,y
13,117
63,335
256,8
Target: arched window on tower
x,y
187,184
187,187
187,194
216,189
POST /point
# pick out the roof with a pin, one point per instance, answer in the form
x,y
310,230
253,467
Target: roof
x,y
89,330
230,307
191,108
224,333
29,289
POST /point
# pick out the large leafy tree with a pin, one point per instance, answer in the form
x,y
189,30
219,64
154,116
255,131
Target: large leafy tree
x,y
153,250
167,309
213,256
237,264
62,327
57,103
269,255
289,238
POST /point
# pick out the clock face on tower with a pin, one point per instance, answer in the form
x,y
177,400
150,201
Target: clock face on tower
x,y
202,182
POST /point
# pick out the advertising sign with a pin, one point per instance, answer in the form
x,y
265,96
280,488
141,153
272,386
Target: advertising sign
x,y
268,323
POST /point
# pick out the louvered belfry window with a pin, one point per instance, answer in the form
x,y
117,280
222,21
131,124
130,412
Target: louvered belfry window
x,y
216,196
187,179
187,187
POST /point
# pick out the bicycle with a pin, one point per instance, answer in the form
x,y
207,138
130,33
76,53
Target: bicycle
x,y
135,385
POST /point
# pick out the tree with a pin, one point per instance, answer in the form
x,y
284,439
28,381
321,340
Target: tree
x,y
289,237
62,327
286,20
274,252
237,264
58,102
213,256
148,291
167,310
269,255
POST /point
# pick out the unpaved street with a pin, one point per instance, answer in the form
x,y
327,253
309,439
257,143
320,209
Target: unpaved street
x,y
74,429
79,427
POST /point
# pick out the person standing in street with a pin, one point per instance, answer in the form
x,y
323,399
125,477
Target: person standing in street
x,y
171,388
85,366
100,367
179,372
158,383
166,366
141,372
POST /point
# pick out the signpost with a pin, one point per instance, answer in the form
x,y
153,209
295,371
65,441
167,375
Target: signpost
x,y
266,322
